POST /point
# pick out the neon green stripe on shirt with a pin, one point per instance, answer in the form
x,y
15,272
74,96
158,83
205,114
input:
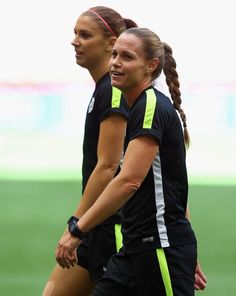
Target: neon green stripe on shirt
x,y
118,236
164,271
150,108
116,96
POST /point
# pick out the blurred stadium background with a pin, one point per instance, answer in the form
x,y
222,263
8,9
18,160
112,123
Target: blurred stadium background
x,y
43,100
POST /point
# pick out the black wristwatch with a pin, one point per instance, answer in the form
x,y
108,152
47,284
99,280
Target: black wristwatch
x,y
74,229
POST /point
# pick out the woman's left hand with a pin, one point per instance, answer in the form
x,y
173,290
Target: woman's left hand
x,y
65,253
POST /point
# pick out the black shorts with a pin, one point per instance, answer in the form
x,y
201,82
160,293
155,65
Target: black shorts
x,y
162,272
95,251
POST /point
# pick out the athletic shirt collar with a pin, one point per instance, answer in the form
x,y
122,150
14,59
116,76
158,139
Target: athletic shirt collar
x,y
141,95
104,77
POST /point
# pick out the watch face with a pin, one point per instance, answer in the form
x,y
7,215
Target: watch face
x,y
74,230
72,219
72,227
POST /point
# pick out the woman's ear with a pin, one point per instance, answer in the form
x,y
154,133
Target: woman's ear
x,y
152,65
110,43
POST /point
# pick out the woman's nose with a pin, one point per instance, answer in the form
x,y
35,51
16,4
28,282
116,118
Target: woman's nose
x,y
75,42
116,61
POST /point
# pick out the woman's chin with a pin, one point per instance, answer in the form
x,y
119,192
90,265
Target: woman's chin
x,y
116,84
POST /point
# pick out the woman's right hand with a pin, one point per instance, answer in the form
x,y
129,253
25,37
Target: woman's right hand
x,y
200,278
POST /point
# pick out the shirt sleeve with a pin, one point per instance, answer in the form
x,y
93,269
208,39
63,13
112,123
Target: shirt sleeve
x,y
147,118
110,101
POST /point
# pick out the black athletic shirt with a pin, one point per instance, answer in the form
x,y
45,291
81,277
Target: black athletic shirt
x,y
105,101
155,216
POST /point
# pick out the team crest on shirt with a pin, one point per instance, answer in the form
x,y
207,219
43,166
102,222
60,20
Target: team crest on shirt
x,y
91,104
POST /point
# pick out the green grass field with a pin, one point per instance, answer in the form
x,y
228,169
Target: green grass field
x,y
33,216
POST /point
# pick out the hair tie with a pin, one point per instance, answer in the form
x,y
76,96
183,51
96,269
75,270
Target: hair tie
x,y
104,22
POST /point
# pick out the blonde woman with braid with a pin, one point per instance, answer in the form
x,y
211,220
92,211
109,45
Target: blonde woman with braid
x,y
96,31
159,253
